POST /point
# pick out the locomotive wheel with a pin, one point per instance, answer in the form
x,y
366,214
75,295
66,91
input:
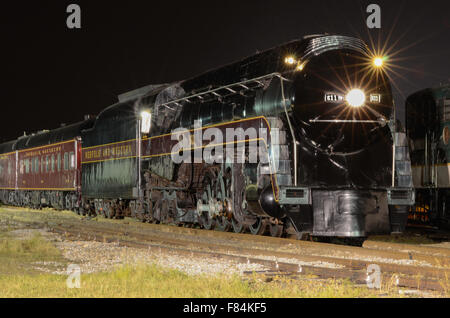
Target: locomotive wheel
x,y
259,227
239,204
165,212
157,211
238,227
173,213
106,210
110,213
103,210
207,222
148,217
223,224
68,202
139,211
276,230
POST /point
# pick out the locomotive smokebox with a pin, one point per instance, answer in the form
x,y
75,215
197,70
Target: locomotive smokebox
x,y
269,205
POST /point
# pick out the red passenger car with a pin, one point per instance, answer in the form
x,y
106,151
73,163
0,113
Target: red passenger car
x,y
43,169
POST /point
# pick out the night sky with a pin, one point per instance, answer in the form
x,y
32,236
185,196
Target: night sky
x,y
53,75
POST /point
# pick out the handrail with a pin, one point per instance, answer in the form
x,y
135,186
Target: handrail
x,y
229,88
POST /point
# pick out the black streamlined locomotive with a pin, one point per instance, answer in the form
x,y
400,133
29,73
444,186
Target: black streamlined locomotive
x,y
334,164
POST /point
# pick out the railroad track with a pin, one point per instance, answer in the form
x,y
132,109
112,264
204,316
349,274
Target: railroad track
x,y
398,263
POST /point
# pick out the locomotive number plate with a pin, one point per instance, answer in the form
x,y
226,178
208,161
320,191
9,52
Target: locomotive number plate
x,y
333,98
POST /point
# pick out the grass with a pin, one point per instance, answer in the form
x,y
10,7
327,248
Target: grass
x,y
156,282
18,255
18,279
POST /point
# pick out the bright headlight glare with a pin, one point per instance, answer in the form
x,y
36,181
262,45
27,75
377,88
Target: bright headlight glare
x,y
356,98
290,60
378,61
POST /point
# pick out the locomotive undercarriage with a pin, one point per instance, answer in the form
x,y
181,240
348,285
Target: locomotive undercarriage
x,y
216,200
59,200
225,200
112,209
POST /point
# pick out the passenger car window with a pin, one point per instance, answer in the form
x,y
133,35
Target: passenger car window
x,y
72,160
66,161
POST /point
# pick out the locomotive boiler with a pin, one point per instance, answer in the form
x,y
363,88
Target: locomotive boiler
x,y
297,140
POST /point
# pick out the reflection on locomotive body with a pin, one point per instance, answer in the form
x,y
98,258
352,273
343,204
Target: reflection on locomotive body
x,y
343,168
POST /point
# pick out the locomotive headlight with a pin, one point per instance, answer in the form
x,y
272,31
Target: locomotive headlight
x,y
356,98
146,121
378,62
290,60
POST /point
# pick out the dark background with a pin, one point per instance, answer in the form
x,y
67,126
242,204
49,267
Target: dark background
x,y
52,75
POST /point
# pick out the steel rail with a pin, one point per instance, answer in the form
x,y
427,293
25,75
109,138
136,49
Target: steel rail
x,y
355,275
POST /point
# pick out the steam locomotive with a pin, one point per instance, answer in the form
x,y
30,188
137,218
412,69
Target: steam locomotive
x,y
318,112
427,127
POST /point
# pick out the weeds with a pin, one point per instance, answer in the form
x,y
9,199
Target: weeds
x,y
156,282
